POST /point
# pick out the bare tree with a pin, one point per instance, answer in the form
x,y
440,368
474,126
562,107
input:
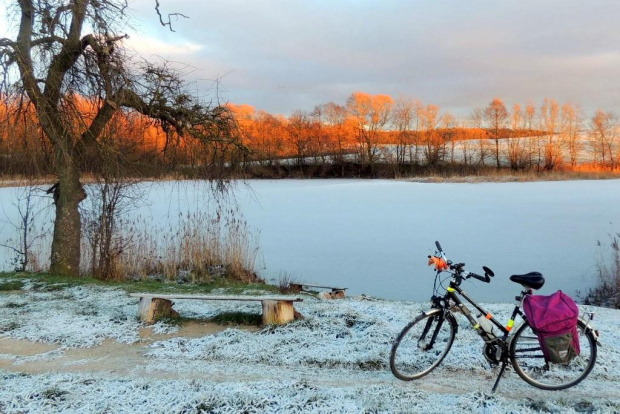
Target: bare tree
x,y
66,49
405,119
432,141
336,117
371,113
517,155
476,120
533,142
31,204
604,130
319,136
570,131
298,129
550,122
448,124
495,116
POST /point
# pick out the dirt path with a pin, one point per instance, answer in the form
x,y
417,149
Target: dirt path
x,y
110,357
128,361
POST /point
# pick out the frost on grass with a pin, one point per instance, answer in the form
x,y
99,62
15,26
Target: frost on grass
x,y
165,327
70,393
70,316
352,333
334,360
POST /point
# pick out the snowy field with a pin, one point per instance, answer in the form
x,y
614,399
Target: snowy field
x,y
373,236
81,349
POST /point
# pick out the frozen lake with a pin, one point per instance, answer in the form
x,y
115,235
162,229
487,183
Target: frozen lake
x,y
374,237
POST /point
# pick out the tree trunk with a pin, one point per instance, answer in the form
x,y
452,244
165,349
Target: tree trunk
x,y
68,194
497,149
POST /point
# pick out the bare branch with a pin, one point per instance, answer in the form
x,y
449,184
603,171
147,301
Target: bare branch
x,y
169,22
4,42
11,248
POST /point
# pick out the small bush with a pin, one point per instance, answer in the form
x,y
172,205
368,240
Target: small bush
x,y
607,292
55,394
11,285
8,326
14,305
284,284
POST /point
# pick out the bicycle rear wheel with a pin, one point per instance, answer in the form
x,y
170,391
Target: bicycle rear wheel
x,y
422,345
528,360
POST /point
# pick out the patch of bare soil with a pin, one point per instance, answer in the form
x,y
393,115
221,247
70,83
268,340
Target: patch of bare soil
x,y
110,357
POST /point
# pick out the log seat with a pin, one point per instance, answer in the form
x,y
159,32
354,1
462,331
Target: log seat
x,y
276,309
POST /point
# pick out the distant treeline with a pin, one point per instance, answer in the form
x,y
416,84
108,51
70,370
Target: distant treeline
x,y
369,135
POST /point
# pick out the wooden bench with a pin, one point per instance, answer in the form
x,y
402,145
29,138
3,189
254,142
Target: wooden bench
x,y
336,292
276,309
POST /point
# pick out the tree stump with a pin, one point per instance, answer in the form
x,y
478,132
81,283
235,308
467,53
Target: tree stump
x,y
336,294
277,312
153,309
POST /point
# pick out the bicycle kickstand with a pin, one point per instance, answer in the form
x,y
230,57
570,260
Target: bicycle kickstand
x,y
501,372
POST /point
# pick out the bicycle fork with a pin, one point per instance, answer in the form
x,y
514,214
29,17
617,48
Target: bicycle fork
x,y
427,346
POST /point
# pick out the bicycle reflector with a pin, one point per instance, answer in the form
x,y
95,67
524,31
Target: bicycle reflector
x,y
439,263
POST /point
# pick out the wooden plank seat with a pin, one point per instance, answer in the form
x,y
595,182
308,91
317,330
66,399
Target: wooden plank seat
x,y
336,292
276,309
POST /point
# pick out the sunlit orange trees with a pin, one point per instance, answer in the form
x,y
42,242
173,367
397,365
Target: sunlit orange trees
x,y
371,114
400,136
496,115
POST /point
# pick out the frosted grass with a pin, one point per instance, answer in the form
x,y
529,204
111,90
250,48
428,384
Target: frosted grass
x,y
333,361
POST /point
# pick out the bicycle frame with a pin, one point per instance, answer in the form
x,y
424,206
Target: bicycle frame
x,y
503,346
454,289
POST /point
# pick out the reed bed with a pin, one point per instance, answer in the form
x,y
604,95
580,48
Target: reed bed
x,y
197,248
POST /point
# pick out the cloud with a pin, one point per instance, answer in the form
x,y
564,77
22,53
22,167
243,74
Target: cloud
x,y
151,46
282,55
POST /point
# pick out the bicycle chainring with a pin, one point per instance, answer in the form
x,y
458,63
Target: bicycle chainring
x,y
490,352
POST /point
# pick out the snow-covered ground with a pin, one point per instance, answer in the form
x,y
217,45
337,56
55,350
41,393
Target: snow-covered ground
x,y
82,349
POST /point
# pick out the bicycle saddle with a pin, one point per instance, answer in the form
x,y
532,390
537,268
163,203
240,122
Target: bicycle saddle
x,y
533,280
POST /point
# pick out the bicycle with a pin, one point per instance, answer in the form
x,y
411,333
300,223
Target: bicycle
x,y
424,343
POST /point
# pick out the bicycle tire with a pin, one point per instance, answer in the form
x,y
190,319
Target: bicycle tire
x,y
528,361
409,357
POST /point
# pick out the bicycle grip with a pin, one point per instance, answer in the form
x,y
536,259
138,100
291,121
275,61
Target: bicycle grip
x,y
484,278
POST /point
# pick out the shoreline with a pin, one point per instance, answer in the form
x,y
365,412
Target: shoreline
x,y
500,177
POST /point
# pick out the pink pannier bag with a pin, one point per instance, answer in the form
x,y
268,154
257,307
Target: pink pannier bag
x,y
554,320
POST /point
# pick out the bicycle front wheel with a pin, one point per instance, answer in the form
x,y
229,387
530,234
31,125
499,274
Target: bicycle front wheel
x,y
529,362
422,345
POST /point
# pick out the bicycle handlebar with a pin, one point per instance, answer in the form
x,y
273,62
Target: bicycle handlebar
x,y
484,278
458,268
438,246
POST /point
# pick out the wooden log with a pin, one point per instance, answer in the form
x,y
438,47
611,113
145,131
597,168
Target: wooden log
x,y
338,294
277,312
152,309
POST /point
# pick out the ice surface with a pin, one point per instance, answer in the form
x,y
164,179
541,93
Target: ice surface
x,y
373,236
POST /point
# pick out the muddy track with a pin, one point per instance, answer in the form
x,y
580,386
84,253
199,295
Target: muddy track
x,y
113,360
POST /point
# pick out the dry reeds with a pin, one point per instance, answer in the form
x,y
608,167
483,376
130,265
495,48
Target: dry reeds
x,y
198,248
607,291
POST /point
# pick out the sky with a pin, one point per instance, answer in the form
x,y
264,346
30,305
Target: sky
x,y
283,55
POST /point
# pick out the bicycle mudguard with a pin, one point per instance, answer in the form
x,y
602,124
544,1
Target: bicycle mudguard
x,y
589,326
